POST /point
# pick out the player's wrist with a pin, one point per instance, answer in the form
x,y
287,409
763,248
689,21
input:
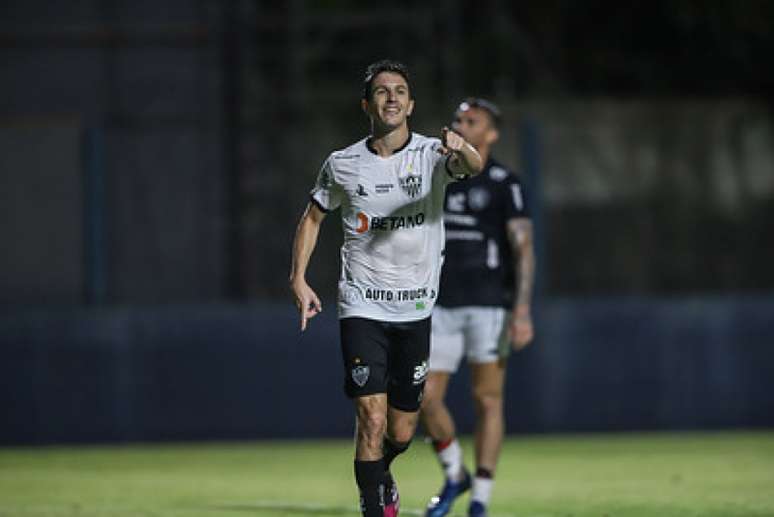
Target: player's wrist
x,y
522,310
296,280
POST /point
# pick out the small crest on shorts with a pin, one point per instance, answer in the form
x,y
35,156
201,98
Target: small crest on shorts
x,y
360,374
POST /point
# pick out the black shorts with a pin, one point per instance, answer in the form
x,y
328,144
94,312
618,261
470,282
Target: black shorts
x,y
382,357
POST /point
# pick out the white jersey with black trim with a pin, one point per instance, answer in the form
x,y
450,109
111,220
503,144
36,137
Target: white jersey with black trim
x,y
392,217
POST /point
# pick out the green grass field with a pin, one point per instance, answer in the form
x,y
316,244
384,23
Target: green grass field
x,y
621,475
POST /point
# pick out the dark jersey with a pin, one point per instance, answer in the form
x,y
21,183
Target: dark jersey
x,y
478,268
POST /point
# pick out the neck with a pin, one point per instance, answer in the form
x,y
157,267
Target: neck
x,y
386,141
483,151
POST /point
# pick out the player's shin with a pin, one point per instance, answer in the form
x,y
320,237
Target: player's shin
x,y
392,449
482,486
370,480
449,455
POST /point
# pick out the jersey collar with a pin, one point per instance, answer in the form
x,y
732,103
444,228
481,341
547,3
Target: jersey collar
x,y
396,151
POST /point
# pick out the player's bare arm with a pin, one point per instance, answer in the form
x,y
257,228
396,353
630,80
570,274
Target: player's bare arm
x,y
464,159
306,300
520,237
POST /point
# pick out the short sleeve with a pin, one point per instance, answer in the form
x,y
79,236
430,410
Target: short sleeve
x,y
326,193
516,202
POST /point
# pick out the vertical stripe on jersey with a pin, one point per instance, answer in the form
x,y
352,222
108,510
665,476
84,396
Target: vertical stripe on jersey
x,y
518,201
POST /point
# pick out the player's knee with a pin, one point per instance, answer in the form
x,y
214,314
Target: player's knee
x,y
488,402
373,422
371,428
403,433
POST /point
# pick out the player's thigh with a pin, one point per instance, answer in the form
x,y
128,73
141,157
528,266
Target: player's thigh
x,y
486,335
408,355
446,341
364,349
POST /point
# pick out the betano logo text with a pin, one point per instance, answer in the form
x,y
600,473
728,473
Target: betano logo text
x,y
393,222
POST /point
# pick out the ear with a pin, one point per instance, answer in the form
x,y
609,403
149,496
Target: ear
x,y
410,108
491,136
364,106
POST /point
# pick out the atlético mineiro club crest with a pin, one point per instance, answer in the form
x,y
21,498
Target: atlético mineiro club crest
x,y
360,374
411,185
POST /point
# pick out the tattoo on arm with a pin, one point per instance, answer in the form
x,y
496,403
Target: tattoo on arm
x,y
520,237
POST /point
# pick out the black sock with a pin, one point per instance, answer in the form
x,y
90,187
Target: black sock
x,y
481,472
392,450
369,476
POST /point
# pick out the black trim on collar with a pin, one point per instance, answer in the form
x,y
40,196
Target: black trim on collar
x,y
396,151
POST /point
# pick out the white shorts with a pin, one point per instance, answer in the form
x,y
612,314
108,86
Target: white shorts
x,y
480,333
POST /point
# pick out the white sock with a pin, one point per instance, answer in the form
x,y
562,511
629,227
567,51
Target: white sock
x,y
482,490
451,459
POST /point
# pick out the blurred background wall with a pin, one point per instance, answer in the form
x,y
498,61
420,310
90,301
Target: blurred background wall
x,y
155,157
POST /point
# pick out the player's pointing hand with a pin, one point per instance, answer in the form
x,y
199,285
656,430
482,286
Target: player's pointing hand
x,y
450,141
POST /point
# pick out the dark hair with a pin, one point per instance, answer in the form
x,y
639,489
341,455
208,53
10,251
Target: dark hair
x,y
385,65
490,107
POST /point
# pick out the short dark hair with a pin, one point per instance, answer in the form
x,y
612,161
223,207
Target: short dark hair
x,y
490,107
385,65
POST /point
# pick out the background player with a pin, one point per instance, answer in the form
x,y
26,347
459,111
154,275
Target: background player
x,y
390,187
489,271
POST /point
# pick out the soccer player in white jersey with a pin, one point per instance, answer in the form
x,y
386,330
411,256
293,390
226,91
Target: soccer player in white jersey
x,y
484,304
390,190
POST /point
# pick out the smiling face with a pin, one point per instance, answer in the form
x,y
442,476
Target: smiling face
x,y
390,103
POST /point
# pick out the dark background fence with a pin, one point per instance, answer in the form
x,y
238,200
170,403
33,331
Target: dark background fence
x,y
155,157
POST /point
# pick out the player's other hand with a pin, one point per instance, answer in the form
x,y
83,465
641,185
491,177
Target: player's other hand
x,y
307,301
520,330
450,141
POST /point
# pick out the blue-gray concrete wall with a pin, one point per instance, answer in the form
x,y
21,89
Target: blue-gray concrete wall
x,y
245,371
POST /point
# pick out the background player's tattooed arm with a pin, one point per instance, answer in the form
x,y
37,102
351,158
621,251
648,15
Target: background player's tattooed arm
x,y
520,237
